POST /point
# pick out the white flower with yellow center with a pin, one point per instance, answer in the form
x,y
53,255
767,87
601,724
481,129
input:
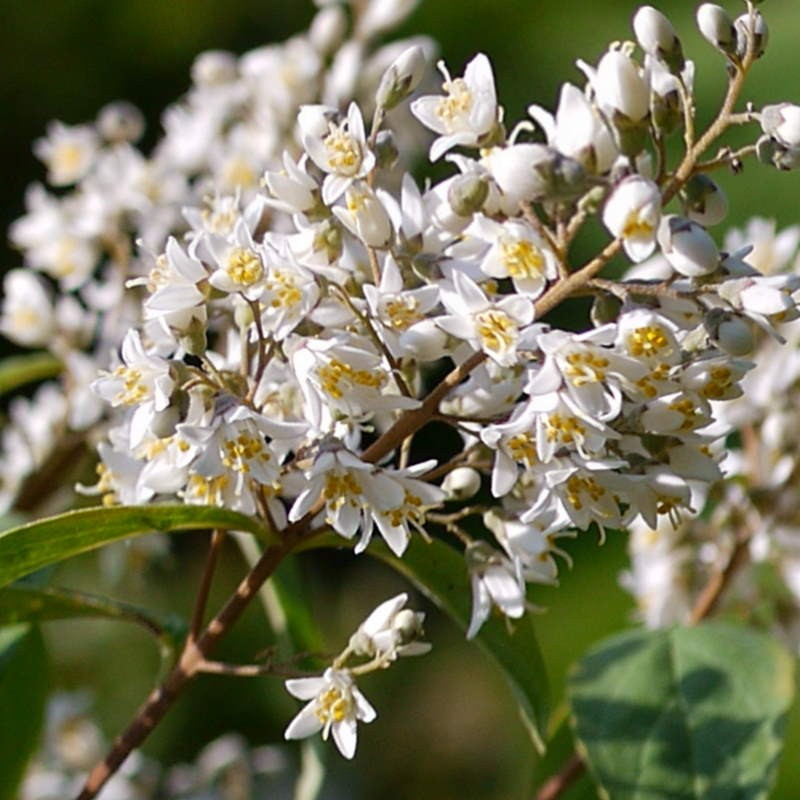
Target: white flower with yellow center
x,y
465,113
491,327
335,706
143,382
354,493
340,150
364,215
69,152
342,377
402,313
518,252
633,213
240,262
27,311
290,292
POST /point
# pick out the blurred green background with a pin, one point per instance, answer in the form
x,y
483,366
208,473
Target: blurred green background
x,y
447,727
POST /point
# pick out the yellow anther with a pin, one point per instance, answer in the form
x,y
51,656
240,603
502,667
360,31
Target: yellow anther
x,y
244,267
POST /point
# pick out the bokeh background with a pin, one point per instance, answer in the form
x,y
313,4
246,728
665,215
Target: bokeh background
x,y
447,726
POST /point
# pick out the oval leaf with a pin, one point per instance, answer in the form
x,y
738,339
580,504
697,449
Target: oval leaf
x,y
30,547
684,714
16,371
22,603
23,691
440,572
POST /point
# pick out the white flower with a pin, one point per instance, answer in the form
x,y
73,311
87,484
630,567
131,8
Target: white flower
x,y
632,213
293,187
577,130
496,582
364,215
390,631
239,260
402,312
353,491
27,312
68,151
341,150
467,112
491,327
335,706
142,381
518,252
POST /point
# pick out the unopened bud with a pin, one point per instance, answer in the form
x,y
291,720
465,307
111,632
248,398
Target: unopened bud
x,y
704,201
667,111
329,240
214,68
407,624
688,247
770,151
733,334
782,122
193,340
717,27
327,29
565,177
656,36
760,33
630,135
401,78
120,122
462,483
386,150
467,194
605,308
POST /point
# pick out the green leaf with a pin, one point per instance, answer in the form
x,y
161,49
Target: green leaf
x,y
684,714
16,371
30,547
440,572
21,603
23,691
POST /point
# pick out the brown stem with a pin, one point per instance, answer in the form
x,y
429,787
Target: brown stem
x,y
189,665
557,784
720,579
199,610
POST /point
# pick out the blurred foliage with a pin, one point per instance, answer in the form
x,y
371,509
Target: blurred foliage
x,y
447,725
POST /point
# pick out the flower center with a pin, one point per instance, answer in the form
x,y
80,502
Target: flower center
x,y
244,267
402,312
332,706
133,389
647,341
344,152
522,259
456,105
496,330
333,374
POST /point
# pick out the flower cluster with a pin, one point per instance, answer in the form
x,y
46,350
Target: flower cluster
x,y
276,339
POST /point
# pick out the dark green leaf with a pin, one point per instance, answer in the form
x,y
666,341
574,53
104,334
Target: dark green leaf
x,y
16,371
21,603
23,691
684,714
440,572
29,547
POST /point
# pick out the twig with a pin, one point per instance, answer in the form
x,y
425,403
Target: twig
x,y
557,784
199,609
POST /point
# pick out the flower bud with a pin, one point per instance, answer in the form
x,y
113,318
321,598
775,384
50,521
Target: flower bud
x,y
687,247
656,36
365,216
386,150
401,78
717,27
193,340
407,625
462,483
120,122
760,34
214,68
704,201
513,169
782,122
733,334
620,86
467,194
327,29
605,308
770,151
